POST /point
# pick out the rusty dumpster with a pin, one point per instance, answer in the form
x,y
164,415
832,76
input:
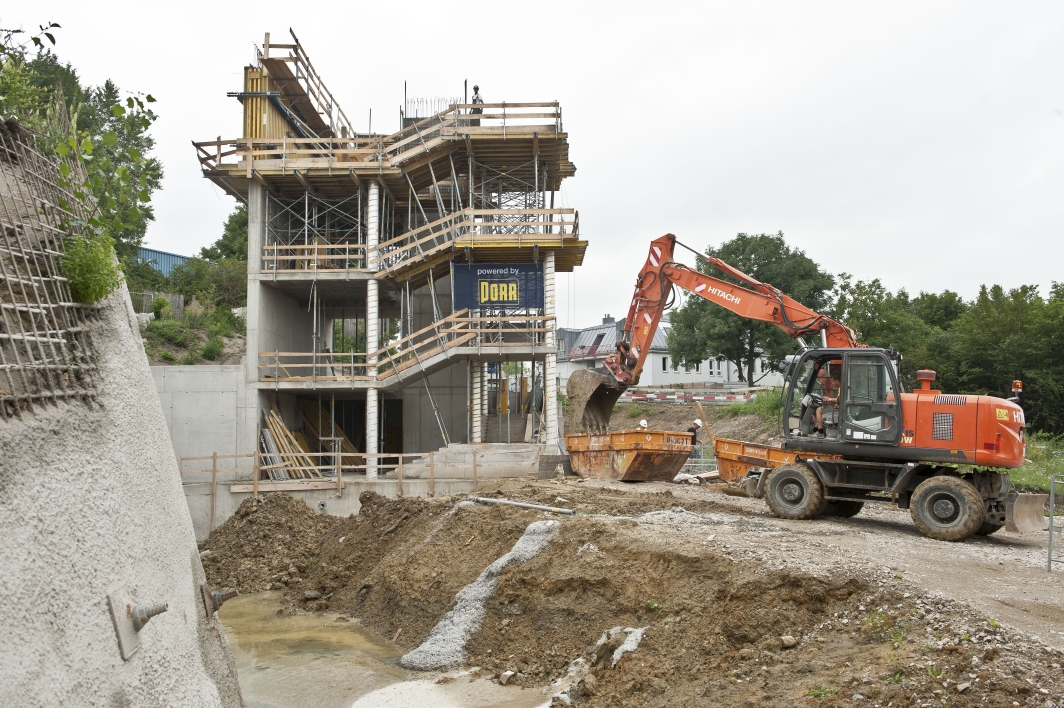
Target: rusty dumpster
x,y
629,455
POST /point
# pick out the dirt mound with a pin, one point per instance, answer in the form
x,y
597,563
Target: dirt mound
x,y
400,562
591,498
270,542
679,416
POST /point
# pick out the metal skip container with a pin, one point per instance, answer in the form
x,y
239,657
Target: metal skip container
x,y
629,455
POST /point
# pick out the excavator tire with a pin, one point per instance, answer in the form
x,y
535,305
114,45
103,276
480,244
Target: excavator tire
x,y
988,528
843,509
947,508
794,492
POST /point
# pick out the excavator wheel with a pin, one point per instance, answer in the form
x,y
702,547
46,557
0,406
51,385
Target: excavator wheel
x,y
795,492
988,528
947,508
843,509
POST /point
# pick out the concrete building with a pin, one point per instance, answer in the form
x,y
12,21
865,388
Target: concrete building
x,y
399,284
588,348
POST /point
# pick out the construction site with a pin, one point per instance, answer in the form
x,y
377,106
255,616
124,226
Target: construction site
x,y
397,499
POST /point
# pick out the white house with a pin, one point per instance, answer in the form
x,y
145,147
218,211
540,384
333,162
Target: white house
x,y
588,348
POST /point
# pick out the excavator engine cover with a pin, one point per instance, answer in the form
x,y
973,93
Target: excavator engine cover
x,y
592,397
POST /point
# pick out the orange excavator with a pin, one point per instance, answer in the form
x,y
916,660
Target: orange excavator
x,y
851,434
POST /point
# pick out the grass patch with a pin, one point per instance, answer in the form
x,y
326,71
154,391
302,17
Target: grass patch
x,y
160,333
822,692
637,410
192,356
765,404
1045,457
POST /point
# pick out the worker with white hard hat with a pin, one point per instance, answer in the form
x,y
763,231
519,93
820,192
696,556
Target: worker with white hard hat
x,y
693,430
643,424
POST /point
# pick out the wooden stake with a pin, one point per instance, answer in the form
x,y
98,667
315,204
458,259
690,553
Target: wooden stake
x,y
255,482
397,633
474,470
400,475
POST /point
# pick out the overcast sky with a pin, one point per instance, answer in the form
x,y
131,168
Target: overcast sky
x,y
921,143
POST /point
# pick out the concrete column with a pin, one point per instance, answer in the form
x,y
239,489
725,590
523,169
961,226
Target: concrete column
x,y
550,373
477,435
372,328
252,405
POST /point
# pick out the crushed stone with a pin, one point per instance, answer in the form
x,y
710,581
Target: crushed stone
x,y
445,646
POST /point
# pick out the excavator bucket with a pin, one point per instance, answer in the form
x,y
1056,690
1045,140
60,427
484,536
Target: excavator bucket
x,y
1025,513
592,397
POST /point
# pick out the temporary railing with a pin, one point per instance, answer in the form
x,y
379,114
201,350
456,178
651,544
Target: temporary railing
x,y
473,227
503,119
409,356
314,257
332,471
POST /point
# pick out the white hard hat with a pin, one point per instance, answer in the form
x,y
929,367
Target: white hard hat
x,y
698,422
642,424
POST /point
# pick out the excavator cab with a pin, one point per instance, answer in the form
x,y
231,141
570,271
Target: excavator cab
x,y
843,395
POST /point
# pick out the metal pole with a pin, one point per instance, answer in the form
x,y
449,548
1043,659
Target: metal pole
x,y
214,483
432,474
523,505
1052,505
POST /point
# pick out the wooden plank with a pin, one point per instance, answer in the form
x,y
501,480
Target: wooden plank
x,y
283,486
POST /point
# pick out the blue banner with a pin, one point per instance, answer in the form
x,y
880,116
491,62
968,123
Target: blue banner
x,y
497,286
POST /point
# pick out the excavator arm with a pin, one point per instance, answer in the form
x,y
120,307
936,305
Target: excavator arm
x,y
593,395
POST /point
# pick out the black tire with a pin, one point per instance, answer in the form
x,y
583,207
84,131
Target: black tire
x,y
988,528
843,509
947,508
794,492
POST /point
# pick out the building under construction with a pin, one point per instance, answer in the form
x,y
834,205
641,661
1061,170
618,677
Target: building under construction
x,y
400,285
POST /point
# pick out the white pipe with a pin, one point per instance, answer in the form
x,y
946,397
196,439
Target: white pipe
x,y
550,373
372,328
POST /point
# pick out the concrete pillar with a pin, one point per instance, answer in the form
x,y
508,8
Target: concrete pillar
x,y
477,435
252,405
372,328
550,373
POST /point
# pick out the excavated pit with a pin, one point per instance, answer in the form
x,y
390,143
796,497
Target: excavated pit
x,y
630,578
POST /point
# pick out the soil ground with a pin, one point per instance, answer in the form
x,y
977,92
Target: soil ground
x,y
878,614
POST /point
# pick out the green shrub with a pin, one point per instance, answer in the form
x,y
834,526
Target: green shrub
x,y
213,349
192,356
196,313
162,308
1045,457
161,332
90,268
168,356
221,322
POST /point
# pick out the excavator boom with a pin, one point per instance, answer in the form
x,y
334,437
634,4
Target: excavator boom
x,y
593,394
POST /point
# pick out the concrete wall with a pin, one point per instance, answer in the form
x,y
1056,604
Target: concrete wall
x,y
421,432
203,409
284,324
91,498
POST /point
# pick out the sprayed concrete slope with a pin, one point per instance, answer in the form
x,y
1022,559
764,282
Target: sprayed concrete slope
x,y
89,498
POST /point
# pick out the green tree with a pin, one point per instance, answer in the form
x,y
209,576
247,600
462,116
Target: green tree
x,y
223,282
701,328
234,240
940,310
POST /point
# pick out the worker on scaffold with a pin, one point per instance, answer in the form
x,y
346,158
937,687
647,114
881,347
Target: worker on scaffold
x,y
478,100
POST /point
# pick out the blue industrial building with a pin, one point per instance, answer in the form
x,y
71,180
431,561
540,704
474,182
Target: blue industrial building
x,y
160,260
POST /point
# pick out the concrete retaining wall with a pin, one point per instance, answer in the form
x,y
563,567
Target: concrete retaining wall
x,y
92,499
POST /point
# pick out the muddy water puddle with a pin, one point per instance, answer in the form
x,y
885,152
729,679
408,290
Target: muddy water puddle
x,y
315,660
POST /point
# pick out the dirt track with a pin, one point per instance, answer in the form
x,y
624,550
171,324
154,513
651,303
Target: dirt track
x,y
718,583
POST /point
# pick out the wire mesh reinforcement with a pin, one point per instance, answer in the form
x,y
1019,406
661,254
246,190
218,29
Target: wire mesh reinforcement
x,y
45,349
